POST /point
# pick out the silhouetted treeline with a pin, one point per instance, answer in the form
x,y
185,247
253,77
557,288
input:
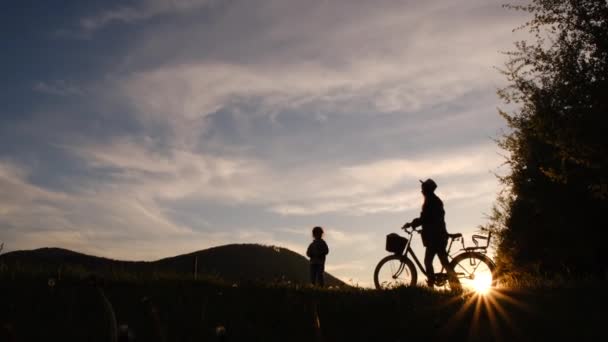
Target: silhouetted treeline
x,y
553,215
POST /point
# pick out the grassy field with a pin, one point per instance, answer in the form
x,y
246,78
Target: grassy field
x,y
38,307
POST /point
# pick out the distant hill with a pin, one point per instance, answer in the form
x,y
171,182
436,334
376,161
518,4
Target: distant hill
x,y
235,263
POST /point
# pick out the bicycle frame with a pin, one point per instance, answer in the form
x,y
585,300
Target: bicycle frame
x,y
409,251
418,263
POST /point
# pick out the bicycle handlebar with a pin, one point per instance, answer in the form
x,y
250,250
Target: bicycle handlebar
x,y
408,227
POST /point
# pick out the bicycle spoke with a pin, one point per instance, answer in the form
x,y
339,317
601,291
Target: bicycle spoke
x,y
393,272
474,270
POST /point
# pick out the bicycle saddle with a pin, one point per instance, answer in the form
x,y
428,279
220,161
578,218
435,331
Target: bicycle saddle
x,y
455,236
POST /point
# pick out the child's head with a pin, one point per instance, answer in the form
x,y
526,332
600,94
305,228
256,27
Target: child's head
x,y
317,232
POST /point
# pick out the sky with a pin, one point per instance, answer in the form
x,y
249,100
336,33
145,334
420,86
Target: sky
x,y
144,129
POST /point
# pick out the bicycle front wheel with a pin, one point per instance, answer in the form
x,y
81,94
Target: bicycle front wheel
x,y
394,271
475,271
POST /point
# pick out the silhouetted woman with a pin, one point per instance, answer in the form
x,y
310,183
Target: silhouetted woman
x,y
434,233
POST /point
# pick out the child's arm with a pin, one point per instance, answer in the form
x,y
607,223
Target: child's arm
x,y
324,248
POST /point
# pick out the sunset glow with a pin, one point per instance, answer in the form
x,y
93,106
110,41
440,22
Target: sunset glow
x,y
289,170
189,124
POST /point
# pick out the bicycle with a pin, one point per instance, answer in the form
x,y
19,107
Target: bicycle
x,y
474,269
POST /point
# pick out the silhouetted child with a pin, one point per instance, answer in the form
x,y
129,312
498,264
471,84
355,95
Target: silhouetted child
x,y
317,250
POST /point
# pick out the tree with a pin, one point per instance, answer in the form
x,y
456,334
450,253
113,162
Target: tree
x,y
552,215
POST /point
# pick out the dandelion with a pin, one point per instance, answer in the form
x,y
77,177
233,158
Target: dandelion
x,y
51,282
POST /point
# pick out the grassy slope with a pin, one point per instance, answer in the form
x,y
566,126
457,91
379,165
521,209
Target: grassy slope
x,y
186,310
174,307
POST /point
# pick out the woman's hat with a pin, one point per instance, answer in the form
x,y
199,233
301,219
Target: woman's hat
x,y
429,184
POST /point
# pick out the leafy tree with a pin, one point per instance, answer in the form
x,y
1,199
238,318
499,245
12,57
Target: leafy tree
x,y
553,214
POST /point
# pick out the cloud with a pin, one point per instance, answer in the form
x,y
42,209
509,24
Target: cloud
x,y
90,220
173,173
185,92
105,221
147,10
321,58
478,159
335,236
17,194
371,187
377,186
58,87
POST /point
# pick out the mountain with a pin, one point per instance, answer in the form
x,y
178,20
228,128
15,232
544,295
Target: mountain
x,y
233,263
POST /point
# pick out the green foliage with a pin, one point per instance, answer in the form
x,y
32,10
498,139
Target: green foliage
x,y
551,216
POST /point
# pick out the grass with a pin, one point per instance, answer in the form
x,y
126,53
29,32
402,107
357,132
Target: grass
x,y
165,307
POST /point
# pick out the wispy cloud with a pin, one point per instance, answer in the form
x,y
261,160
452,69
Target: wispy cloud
x,y
104,221
355,189
58,87
147,9
324,58
183,92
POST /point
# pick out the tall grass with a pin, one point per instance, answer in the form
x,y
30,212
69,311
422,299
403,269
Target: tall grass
x,y
171,307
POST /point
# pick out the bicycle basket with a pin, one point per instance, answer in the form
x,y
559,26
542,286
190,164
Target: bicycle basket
x,y
395,243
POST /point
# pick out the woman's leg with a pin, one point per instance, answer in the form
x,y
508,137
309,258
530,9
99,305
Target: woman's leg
x,y
443,257
429,255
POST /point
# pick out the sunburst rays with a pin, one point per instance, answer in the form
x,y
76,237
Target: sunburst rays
x,y
486,311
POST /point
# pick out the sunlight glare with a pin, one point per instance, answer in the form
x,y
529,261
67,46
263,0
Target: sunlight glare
x,y
482,283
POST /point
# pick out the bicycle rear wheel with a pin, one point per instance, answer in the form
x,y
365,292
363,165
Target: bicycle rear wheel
x,y
394,271
475,271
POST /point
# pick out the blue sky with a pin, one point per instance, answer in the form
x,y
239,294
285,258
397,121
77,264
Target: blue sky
x,y
144,129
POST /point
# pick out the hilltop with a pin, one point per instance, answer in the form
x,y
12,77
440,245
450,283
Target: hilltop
x,y
233,263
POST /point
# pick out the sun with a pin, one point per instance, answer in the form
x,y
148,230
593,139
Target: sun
x,y
482,283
